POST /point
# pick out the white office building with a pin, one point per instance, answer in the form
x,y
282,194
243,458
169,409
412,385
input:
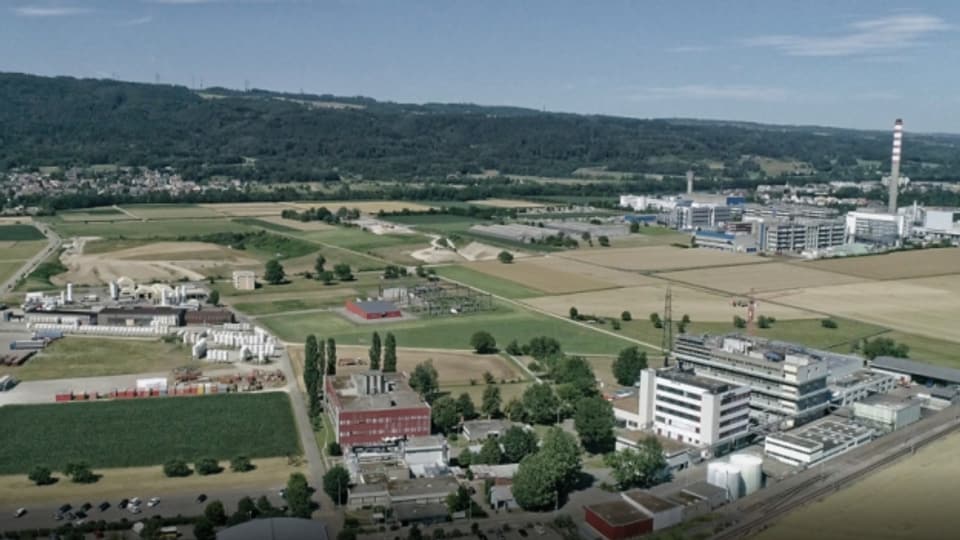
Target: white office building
x,y
693,410
876,227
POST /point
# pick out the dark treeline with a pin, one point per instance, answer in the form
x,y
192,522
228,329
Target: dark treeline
x,y
269,137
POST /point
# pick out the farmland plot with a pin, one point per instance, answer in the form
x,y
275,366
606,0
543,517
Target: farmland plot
x,y
659,258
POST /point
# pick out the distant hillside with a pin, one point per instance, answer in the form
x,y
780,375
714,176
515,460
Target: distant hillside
x,y
268,136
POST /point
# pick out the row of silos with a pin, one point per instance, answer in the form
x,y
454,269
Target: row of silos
x,y
742,475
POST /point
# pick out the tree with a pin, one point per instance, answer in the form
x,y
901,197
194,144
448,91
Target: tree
x,y
459,500
319,264
505,257
655,319
41,476
883,346
247,508
176,468
465,458
634,227
488,378
444,414
626,316
540,404
207,466
513,348
604,241
574,313
80,473
215,513
265,507
421,273
515,411
562,451
518,443
311,368
465,407
326,277
490,405
274,274
535,483
828,323
593,418
390,354
331,356
204,530
333,449
298,496
424,380
576,372
685,319
543,347
336,483
214,297
483,342
343,272
241,464
376,351
641,468
490,453
739,322
628,365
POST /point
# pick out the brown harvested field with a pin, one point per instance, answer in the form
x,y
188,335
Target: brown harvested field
x,y
367,207
507,203
900,265
255,209
762,277
548,279
297,224
454,368
640,301
911,499
924,306
169,211
619,278
659,258
175,251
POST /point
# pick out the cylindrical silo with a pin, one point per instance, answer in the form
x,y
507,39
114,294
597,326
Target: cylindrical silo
x,y
726,476
751,472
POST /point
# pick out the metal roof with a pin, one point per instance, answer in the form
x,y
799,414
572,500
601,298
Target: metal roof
x,y
275,529
910,367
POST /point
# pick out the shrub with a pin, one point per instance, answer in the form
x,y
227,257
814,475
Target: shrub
x,y
334,449
241,464
176,468
208,466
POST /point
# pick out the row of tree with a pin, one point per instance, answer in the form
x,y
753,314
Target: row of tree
x,y
317,361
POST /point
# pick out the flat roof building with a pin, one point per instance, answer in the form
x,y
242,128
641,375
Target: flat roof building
x,y
244,280
481,430
374,407
817,441
618,520
888,413
373,309
665,513
911,370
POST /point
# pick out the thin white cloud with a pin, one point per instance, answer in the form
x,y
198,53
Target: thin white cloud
x,y
137,22
689,49
873,36
715,92
48,11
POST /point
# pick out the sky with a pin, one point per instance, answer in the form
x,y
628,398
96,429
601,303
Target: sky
x,y
847,63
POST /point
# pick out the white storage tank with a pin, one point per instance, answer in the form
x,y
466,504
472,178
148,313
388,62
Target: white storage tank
x,y
726,476
751,472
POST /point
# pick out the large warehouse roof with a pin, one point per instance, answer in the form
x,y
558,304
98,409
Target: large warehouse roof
x,y
909,367
275,529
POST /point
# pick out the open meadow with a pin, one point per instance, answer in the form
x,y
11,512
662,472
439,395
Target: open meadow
x,y
248,209
551,279
761,277
282,302
507,203
366,207
911,499
105,213
19,233
899,265
658,258
135,433
168,211
20,250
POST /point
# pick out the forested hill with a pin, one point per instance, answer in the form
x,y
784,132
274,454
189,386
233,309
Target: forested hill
x,y
261,135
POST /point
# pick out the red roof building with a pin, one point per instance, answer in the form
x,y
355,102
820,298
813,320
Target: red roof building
x,y
617,520
372,408
373,309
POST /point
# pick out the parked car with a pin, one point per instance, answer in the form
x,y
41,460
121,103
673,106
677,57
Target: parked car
x,y
201,498
153,502
134,509
65,508
80,515
103,506
86,506
20,512
80,521
135,501
123,504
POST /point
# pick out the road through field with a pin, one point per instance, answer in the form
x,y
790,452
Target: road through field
x,y
31,265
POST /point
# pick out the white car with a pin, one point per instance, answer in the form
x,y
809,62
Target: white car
x,y
135,501
134,509
153,502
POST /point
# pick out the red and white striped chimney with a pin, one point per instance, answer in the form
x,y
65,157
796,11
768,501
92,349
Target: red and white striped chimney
x,y
894,184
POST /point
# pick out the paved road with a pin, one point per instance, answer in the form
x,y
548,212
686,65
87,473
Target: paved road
x,y
53,244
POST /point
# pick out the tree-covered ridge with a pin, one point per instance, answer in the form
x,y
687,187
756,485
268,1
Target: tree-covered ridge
x,y
267,136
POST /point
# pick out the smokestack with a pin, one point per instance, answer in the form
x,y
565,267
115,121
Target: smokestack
x,y
689,182
894,182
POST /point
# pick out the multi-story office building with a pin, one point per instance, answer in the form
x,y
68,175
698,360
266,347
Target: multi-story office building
x,y
799,235
373,408
694,410
788,383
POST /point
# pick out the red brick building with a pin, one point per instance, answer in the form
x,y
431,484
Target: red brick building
x,y
617,520
373,309
374,407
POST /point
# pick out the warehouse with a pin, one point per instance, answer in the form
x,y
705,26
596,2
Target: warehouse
x,y
816,442
886,412
524,234
209,316
140,316
578,228
908,370
373,309
617,520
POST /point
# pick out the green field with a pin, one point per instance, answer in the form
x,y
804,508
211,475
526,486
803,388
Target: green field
x,y
76,356
358,240
18,233
488,283
171,229
134,433
21,251
8,268
169,211
276,227
39,279
296,304
437,223
449,332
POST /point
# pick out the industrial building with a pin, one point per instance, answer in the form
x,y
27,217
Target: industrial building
x,y
860,385
373,407
909,371
665,513
577,229
788,212
886,412
701,412
797,235
373,309
477,431
788,383
937,223
689,215
278,528
141,316
244,280
618,520
817,441
524,234
876,227
726,241
679,455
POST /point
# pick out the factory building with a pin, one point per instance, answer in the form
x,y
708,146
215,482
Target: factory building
x,y
788,383
690,215
789,212
665,513
141,316
873,227
244,280
373,309
816,442
937,223
909,370
209,316
726,241
795,236
373,407
886,412
524,234
618,520
577,229
701,412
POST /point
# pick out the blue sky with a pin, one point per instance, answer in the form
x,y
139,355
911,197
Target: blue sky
x,y
840,63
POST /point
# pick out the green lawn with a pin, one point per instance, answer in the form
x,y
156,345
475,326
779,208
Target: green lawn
x,y
488,283
19,232
437,223
39,279
76,356
929,350
505,324
141,432
296,304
